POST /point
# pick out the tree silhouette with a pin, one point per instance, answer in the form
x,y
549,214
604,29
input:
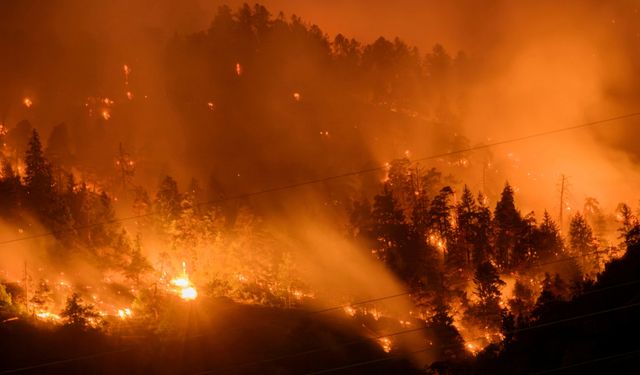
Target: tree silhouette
x,y
582,243
77,314
507,224
38,179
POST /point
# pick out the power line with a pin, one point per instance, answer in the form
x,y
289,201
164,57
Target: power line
x,y
334,177
542,325
413,330
62,361
595,360
377,299
359,303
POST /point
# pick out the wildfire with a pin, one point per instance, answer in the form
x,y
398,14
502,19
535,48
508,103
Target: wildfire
x,y
435,240
124,313
27,102
127,71
350,310
385,343
185,288
45,315
473,349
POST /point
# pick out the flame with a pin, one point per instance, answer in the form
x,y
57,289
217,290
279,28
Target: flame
x,y
350,310
471,348
238,69
27,102
296,96
181,282
437,241
385,343
105,114
185,288
45,315
189,293
124,313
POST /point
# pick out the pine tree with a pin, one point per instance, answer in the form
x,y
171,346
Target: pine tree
x,y
582,243
626,218
548,240
440,217
390,228
487,290
167,202
138,264
38,179
466,226
523,300
10,188
482,236
507,224
77,314
525,252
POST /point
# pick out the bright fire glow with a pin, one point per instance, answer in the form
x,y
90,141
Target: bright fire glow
x,y
189,293
385,343
184,287
45,315
124,313
27,102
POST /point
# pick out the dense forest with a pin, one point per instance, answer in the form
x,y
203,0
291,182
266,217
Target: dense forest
x,y
111,263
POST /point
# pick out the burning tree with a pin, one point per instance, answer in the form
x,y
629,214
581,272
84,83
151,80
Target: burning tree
x,y
77,314
582,243
487,310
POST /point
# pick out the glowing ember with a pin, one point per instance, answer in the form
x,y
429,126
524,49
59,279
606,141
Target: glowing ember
x,y
129,95
350,310
435,240
296,96
106,115
211,106
471,348
385,343
238,69
27,102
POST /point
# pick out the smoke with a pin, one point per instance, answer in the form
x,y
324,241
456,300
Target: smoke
x,y
545,65
538,66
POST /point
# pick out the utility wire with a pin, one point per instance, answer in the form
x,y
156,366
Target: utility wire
x,y
331,178
63,361
542,325
377,299
412,330
595,360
